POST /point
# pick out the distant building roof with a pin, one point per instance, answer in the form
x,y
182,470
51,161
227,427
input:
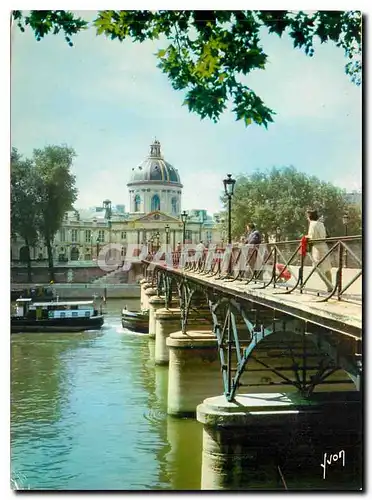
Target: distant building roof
x,y
354,198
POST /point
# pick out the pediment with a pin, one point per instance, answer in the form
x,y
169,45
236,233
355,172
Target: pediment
x,y
157,217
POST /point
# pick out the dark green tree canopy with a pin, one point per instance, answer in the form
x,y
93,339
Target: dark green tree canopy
x,y
279,199
23,203
42,190
207,53
56,191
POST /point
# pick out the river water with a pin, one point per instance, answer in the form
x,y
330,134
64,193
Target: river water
x,y
88,412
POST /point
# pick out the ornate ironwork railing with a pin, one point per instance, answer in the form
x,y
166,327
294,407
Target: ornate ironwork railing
x,y
286,266
293,351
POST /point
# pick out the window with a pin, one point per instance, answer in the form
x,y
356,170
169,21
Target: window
x,y
155,203
174,206
137,203
101,235
74,235
74,253
123,235
88,235
188,235
62,235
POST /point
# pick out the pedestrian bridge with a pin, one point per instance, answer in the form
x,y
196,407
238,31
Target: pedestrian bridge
x,y
271,308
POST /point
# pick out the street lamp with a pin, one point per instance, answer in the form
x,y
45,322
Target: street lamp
x,y
345,221
109,228
278,232
97,243
157,236
229,184
167,229
184,216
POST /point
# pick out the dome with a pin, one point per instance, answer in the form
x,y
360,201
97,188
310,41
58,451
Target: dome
x,y
155,169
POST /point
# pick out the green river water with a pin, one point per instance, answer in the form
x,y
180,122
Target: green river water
x,y
88,412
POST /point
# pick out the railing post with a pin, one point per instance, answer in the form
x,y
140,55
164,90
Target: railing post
x,y
339,270
274,267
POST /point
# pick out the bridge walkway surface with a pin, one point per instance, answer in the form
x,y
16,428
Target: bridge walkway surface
x,y
342,316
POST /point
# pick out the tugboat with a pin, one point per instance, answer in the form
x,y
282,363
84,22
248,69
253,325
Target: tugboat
x,y
55,316
136,321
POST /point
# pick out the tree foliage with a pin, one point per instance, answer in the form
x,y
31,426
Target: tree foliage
x,y
56,191
42,190
24,210
210,51
279,199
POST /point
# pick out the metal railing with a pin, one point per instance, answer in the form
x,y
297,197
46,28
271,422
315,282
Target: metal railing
x,y
286,266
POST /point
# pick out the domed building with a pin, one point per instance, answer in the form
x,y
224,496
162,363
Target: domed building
x,y
153,219
155,185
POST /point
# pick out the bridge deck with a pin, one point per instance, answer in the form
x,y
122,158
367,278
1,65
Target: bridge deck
x,y
342,316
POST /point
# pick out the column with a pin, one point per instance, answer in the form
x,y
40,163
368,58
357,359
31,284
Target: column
x,y
168,321
248,441
155,303
194,371
149,292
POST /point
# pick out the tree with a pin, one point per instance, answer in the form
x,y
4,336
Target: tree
x,y
210,51
279,199
56,191
354,226
23,204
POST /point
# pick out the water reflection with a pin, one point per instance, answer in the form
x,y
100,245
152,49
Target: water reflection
x,y
185,455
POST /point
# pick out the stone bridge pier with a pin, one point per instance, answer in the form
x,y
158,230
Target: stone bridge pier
x,y
269,441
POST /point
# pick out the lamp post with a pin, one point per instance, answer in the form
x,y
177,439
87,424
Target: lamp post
x,y
97,243
157,236
109,228
229,184
345,221
184,216
167,229
278,232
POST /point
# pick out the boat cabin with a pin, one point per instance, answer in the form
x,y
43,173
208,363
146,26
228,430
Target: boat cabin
x,y
26,308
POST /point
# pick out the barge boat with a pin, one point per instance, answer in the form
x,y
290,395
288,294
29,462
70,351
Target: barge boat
x,y
55,316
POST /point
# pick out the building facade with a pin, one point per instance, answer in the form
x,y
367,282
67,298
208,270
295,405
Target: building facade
x,y
153,219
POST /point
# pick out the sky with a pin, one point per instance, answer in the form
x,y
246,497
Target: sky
x,y
108,101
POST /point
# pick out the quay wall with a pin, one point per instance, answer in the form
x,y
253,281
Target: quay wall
x,y
41,275
86,291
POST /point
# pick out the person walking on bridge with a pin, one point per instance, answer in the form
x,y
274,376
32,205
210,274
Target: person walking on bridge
x,y
199,252
253,240
320,249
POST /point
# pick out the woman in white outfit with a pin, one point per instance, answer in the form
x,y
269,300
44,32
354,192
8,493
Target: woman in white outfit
x,y
319,250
